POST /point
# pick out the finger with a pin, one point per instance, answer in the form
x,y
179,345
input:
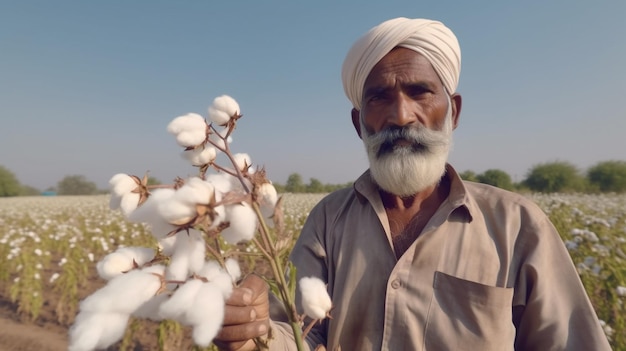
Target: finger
x,y
247,345
243,331
239,315
256,284
240,297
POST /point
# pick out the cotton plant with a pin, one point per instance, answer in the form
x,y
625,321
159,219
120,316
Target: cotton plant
x,y
189,277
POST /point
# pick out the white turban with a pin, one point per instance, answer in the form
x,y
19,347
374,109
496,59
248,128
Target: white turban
x,y
430,38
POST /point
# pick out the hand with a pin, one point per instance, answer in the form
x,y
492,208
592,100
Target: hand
x,y
246,315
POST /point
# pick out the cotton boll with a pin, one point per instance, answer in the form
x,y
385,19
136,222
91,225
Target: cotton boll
x,y
218,117
196,252
148,213
315,299
176,212
128,203
113,264
267,199
208,307
140,255
221,182
222,109
181,301
191,138
233,269
215,274
168,244
224,282
93,331
122,183
186,122
227,104
210,270
195,191
178,269
242,161
243,223
122,186
190,129
121,261
123,294
200,156
151,308
204,334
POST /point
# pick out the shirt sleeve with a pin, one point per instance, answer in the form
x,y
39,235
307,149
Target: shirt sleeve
x,y
551,309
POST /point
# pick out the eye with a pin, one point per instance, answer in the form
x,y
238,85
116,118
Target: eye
x,y
377,96
418,90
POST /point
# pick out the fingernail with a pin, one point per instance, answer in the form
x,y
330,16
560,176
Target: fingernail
x,y
262,329
252,315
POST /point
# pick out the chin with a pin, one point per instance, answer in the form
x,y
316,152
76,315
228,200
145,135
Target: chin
x,y
405,173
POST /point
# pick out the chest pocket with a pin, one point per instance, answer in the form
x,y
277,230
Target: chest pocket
x,y
465,315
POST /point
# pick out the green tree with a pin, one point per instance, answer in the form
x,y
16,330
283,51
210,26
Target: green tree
x,y
294,183
554,177
76,185
469,175
608,176
496,177
315,186
9,185
27,190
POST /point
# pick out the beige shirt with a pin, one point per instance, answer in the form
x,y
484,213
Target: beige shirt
x,y
488,272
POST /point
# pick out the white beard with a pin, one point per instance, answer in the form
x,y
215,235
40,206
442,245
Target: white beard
x,y
408,169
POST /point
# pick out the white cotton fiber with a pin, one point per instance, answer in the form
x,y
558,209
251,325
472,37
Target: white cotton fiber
x,y
233,269
315,299
141,255
93,331
208,307
200,156
122,183
151,308
190,129
123,294
176,212
195,191
196,252
181,301
128,203
243,223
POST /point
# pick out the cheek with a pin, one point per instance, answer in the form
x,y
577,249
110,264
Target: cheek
x,y
371,121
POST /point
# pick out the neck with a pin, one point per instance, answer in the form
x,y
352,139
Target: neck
x,y
433,195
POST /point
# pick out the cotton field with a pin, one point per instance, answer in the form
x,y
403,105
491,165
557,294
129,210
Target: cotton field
x,y
49,247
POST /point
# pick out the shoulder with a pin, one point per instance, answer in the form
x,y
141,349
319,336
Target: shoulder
x,y
332,202
490,197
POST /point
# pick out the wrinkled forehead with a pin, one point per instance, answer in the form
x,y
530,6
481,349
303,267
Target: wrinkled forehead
x,y
404,64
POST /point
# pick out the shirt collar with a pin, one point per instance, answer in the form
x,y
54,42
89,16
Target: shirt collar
x,y
458,199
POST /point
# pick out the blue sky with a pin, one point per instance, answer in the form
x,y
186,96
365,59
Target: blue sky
x,y
88,88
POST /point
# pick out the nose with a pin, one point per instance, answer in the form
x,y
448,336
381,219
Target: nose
x,y
401,113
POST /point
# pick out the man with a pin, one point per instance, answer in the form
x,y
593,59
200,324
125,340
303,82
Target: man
x,y
414,257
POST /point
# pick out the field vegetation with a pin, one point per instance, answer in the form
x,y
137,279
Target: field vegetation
x,y
49,247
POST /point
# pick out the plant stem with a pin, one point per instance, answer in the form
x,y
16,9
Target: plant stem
x,y
277,270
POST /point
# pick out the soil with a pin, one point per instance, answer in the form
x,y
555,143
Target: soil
x,y
19,335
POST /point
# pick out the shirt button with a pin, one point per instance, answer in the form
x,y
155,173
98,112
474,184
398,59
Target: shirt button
x,y
396,283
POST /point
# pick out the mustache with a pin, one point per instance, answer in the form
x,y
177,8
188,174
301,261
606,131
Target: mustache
x,y
418,140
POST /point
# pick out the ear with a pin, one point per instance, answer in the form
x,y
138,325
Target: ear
x,y
457,101
356,121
